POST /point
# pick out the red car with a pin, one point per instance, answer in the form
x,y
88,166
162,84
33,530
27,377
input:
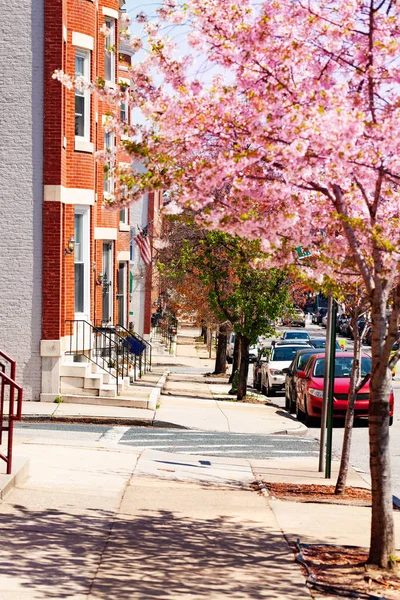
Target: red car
x,y
310,384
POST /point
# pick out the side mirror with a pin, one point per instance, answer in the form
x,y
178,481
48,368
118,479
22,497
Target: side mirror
x,y
301,375
286,370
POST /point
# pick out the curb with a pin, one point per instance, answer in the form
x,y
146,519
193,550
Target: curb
x,y
156,392
18,476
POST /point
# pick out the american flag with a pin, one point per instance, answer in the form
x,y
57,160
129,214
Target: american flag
x,y
143,242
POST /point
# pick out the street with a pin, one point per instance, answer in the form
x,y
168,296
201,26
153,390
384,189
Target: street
x,y
213,443
359,456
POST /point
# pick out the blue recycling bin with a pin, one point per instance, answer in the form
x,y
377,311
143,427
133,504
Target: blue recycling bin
x,y
135,346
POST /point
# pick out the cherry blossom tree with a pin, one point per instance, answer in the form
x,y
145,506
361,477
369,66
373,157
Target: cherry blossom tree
x,y
295,142
302,143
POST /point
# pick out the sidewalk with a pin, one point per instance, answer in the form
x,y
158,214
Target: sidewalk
x,y
187,399
106,521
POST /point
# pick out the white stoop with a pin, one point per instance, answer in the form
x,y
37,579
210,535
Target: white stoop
x,y
88,383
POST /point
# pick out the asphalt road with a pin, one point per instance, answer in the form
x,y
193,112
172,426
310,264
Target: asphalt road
x,y
359,456
208,443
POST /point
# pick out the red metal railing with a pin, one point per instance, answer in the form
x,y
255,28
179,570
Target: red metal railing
x,y
15,402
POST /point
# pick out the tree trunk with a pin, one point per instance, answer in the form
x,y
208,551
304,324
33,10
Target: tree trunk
x,y
382,547
349,422
244,367
204,333
220,359
236,356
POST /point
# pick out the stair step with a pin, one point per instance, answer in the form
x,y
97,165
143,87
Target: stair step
x,y
75,370
106,401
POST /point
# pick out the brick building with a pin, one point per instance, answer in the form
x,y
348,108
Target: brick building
x,y
86,246
65,256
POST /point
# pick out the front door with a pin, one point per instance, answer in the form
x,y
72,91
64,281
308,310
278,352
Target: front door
x,y
108,255
122,293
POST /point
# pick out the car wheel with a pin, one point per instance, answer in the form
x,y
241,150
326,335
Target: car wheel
x,y
287,403
390,421
299,412
292,406
269,390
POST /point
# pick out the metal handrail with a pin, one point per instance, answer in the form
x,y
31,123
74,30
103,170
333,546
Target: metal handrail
x,y
12,415
146,343
111,344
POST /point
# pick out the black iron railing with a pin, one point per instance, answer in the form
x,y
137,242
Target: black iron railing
x,y
103,347
140,349
165,329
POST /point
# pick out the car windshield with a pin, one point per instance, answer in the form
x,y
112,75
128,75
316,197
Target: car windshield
x,y
284,353
321,343
303,359
296,335
343,366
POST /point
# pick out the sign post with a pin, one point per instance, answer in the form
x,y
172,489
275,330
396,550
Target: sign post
x,y
332,354
324,410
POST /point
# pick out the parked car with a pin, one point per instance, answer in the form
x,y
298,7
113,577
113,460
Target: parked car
x,y
310,383
230,347
368,336
343,325
321,312
295,335
324,320
320,342
297,317
291,342
261,358
298,364
253,353
272,375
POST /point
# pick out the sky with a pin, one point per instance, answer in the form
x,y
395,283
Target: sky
x,y
201,69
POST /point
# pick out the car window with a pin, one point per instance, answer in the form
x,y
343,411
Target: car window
x,y
343,366
296,335
284,353
318,343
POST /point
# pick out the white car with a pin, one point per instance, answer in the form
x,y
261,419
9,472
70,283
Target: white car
x,y
230,348
272,375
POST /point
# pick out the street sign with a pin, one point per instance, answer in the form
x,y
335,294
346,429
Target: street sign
x,y
302,252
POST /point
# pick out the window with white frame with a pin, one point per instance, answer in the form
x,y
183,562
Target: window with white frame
x,y
109,51
82,260
123,216
108,175
82,97
124,112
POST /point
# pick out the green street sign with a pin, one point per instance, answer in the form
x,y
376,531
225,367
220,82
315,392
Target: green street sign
x,y
302,252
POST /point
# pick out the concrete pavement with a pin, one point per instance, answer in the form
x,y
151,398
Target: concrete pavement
x,y
103,521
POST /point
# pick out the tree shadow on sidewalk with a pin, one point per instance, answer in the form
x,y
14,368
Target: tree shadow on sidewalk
x,y
57,554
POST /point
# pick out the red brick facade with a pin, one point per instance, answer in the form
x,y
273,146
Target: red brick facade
x,y
73,179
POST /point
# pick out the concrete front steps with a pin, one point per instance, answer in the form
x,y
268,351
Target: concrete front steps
x,y
86,383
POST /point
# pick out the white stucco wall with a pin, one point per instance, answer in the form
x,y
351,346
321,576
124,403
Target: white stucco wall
x,y
21,184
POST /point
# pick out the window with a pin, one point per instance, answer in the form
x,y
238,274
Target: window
x,y
108,175
81,260
109,51
123,112
82,97
123,216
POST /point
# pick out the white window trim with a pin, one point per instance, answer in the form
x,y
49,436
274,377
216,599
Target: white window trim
x,y
110,12
112,20
85,211
109,177
85,54
82,40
